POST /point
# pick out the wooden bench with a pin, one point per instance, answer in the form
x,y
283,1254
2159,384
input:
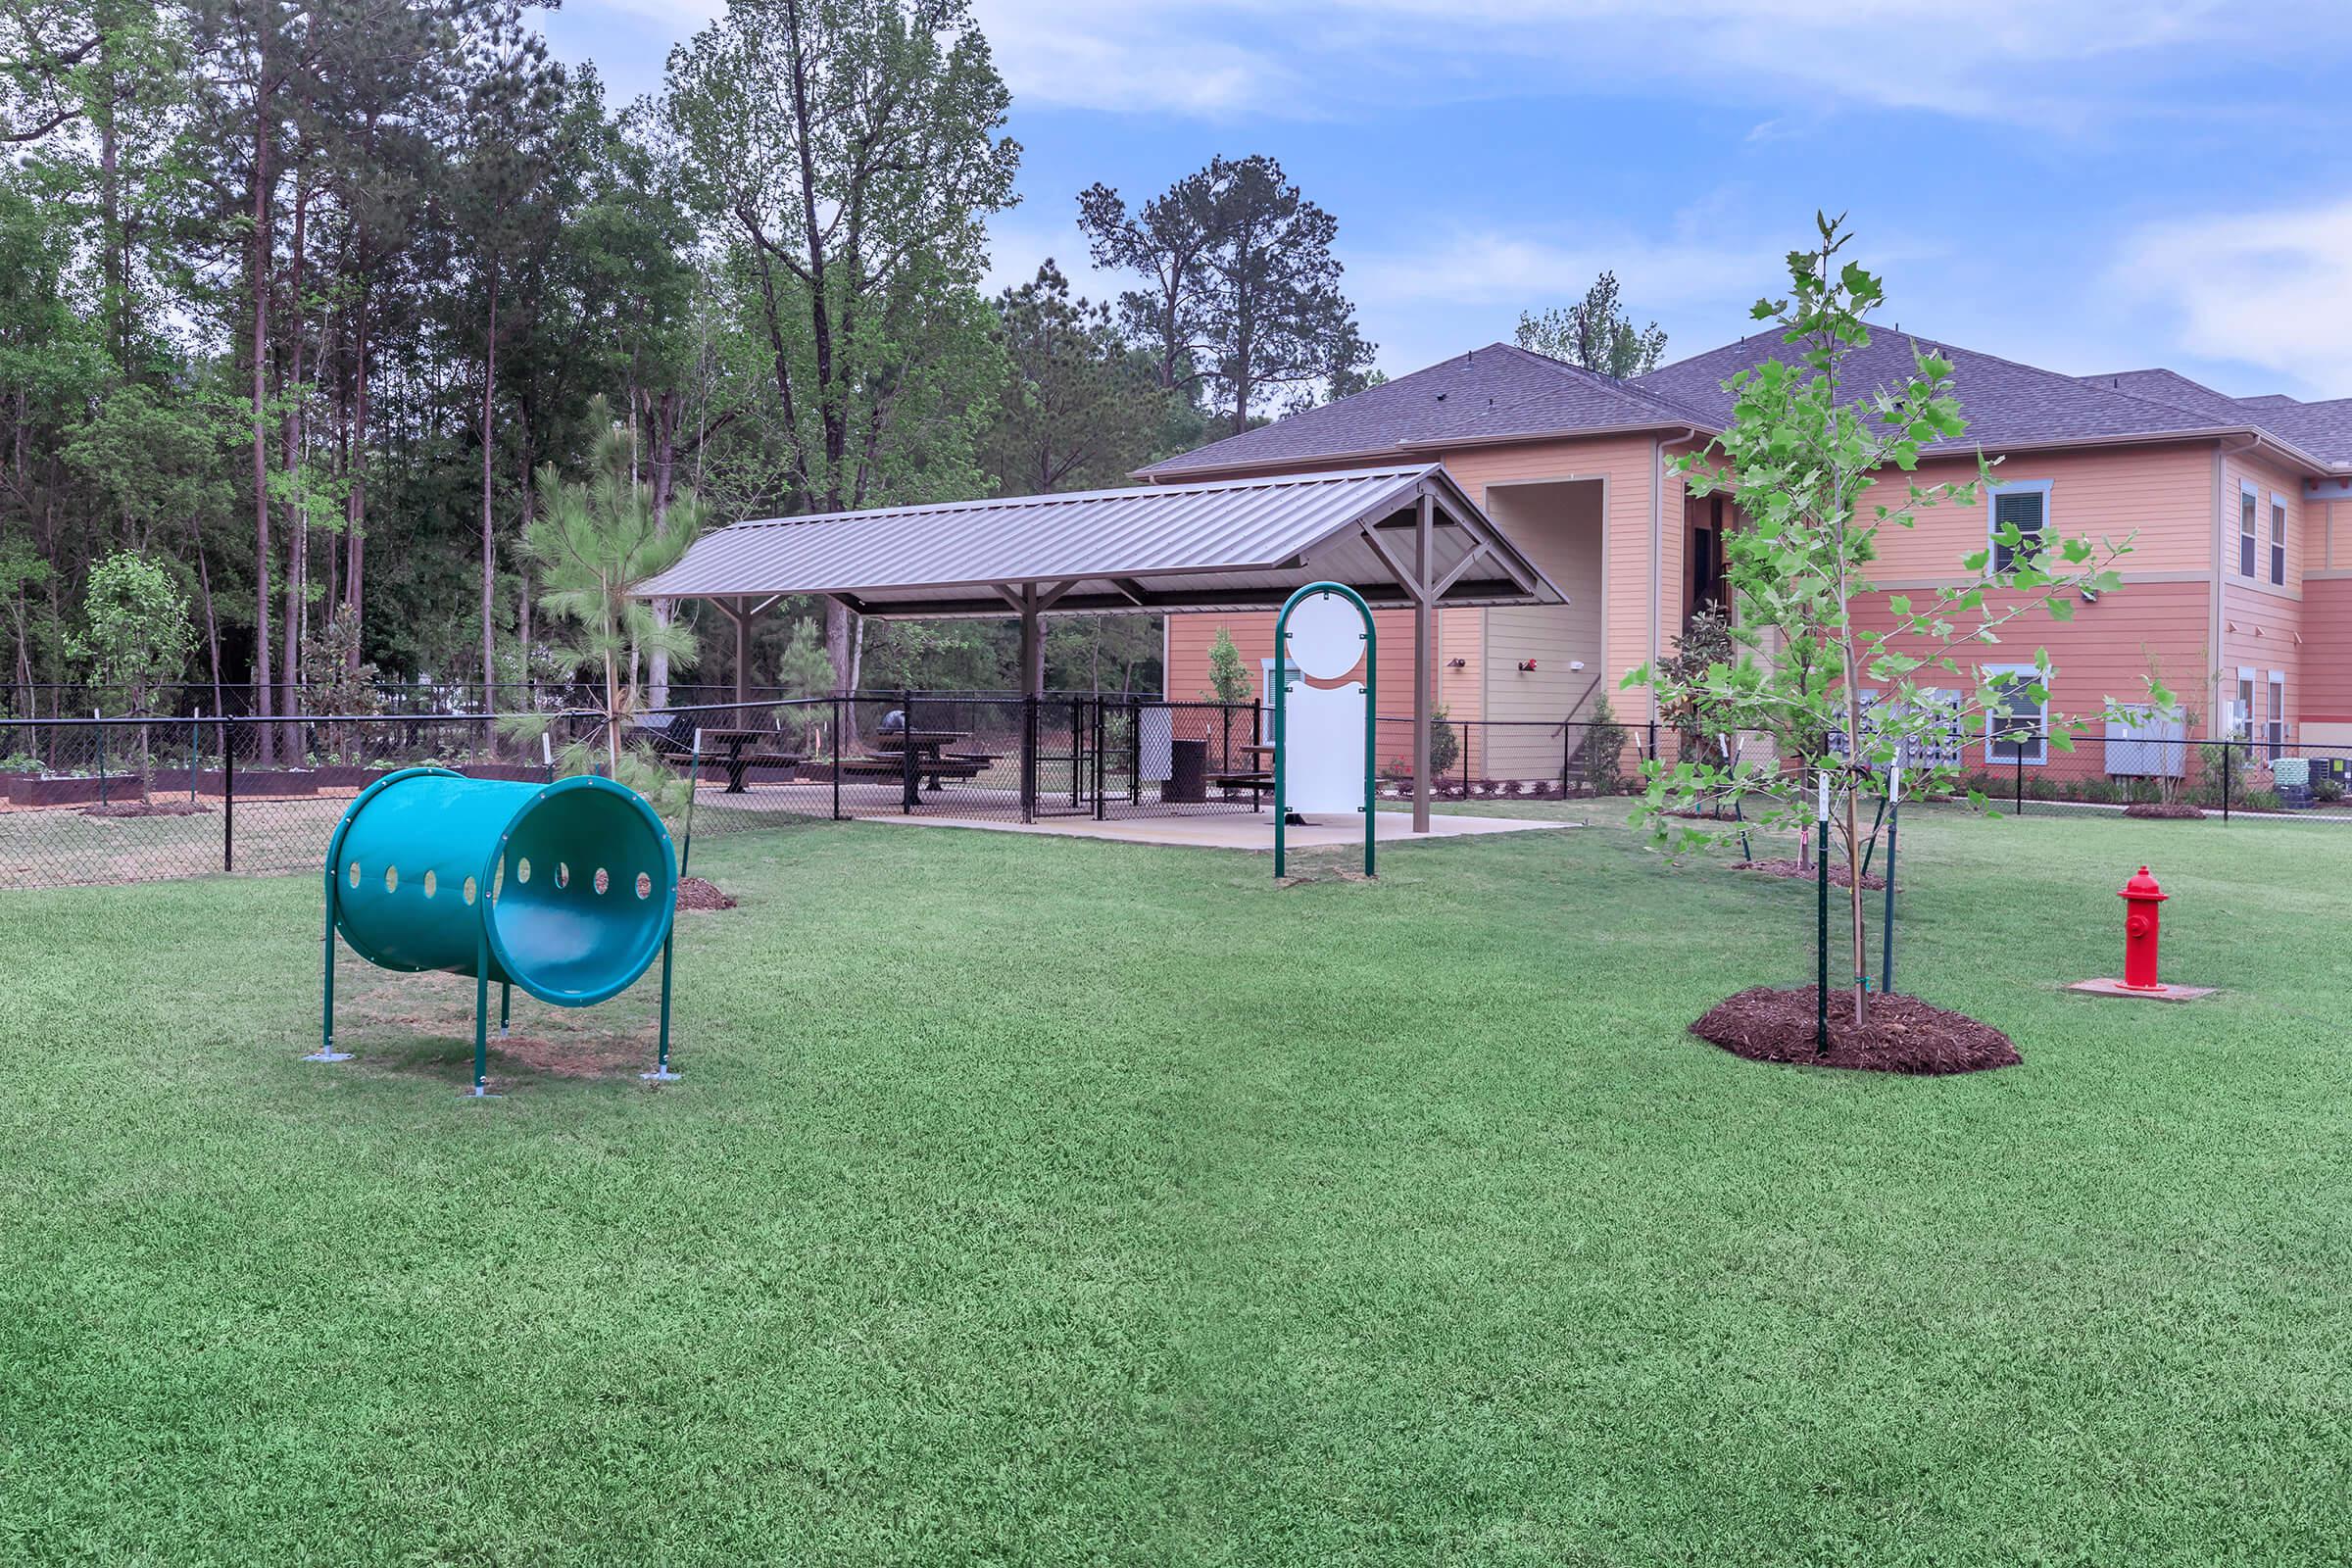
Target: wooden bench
x,y
1258,784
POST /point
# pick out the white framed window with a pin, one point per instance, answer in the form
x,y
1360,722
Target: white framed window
x,y
2278,539
2274,714
2249,504
2017,726
2024,505
2241,712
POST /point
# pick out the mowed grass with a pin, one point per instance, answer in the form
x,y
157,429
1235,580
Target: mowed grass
x,y
1034,1201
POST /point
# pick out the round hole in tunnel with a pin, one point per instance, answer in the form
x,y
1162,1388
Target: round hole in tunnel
x,y
355,873
522,870
563,874
604,881
470,890
431,883
645,886
391,879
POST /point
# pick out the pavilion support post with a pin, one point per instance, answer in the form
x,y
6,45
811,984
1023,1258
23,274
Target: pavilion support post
x,y
1424,616
742,658
1033,688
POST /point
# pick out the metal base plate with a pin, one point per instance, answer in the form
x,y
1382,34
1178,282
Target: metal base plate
x,y
479,1093
661,1075
329,1056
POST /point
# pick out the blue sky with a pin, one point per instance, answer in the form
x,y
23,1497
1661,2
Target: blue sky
x,y
2083,184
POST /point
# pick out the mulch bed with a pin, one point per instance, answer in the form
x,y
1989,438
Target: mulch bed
x,y
1837,877
2178,810
696,893
180,808
1905,1034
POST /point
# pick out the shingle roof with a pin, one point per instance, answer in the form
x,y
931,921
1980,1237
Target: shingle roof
x,y
2322,429
1501,392
1496,392
2006,403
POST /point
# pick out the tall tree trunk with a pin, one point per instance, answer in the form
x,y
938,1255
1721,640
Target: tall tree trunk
x,y
211,623
355,515
489,543
298,532
662,415
264,696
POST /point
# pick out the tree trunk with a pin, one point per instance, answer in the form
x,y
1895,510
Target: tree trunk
x,y
662,413
355,515
489,543
297,534
263,696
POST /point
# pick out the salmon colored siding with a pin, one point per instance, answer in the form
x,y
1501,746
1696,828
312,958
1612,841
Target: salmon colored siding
x,y
2184,604
2327,653
2100,656
2163,495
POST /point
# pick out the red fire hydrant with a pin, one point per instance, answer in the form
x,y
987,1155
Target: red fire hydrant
x,y
2142,896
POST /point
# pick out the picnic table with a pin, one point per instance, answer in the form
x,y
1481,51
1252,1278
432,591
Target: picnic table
x,y
733,748
931,757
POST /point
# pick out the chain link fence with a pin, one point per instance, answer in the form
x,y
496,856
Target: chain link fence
x,y
129,799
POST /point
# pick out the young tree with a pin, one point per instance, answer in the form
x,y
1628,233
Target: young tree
x,y
1244,294
1844,701
1595,333
595,543
136,635
852,149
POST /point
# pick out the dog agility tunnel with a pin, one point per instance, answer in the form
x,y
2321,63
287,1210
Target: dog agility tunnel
x,y
580,878
567,890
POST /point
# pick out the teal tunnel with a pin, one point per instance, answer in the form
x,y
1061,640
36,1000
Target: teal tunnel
x,y
568,888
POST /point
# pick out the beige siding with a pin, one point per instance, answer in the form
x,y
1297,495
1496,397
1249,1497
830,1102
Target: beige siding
x,y
1560,525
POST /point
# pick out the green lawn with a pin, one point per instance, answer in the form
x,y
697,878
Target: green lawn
x,y
1036,1201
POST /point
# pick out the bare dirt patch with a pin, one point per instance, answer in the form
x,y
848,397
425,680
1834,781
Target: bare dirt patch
x,y
2177,812
1905,1035
178,807
1791,868
696,893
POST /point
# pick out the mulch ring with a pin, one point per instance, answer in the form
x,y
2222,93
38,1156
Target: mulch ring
x,y
1766,1023
2178,810
178,807
696,893
1837,876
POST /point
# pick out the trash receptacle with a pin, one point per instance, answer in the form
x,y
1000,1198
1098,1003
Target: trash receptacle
x,y
1188,771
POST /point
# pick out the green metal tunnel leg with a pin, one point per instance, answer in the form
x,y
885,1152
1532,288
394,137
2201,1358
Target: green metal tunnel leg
x,y
662,1073
481,1023
326,1050
506,1006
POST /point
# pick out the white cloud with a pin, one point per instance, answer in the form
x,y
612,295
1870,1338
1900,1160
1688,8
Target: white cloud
x,y
2263,289
2037,62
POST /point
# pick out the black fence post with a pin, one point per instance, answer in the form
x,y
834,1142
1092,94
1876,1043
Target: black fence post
x,y
2228,749
2019,798
228,794
907,768
1029,757
837,701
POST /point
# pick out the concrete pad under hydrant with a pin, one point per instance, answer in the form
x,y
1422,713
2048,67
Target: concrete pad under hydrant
x,y
2162,992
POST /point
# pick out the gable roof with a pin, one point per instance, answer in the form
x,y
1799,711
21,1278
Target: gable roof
x,y
1505,393
1500,392
2322,429
1230,544
2007,404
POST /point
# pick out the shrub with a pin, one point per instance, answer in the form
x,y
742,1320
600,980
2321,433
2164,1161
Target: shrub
x,y
1444,745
